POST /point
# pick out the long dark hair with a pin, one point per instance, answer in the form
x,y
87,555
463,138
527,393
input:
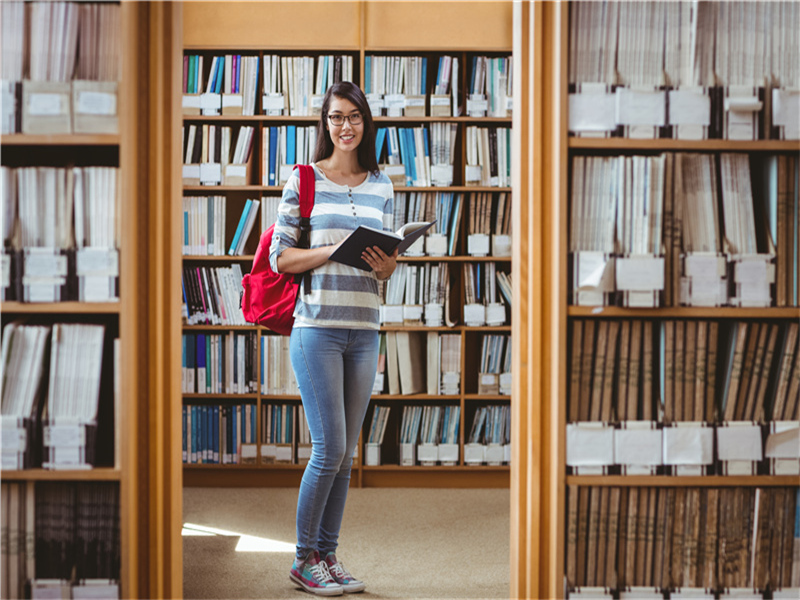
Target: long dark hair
x,y
366,149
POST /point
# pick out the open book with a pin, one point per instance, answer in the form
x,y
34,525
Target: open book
x,y
349,253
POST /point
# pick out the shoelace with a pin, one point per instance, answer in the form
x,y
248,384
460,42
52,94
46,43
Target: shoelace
x,y
321,573
339,571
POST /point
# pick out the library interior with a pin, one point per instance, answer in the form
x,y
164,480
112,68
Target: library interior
x,y
588,366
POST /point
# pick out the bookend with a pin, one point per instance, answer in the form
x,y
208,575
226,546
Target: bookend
x,y
394,104
45,589
376,104
395,173
743,115
740,593
448,455
377,385
703,279
372,455
191,174
784,108
590,592
412,314
477,105
641,593
434,315
694,593
94,107
436,244
442,175
21,443
451,382
273,104
689,448
783,448
232,104
590,447
210,173
474,315
478,244
210,104
190,105
440,105
592,110
46,107
739,447
641,111
592,276
391,313
495,314
238,173
44,275
488,384
495,454
786,594
689,112
428,454
408,455
751,277
277,454
638,447
68,443
472,174
249,454
90,589
414,106
97,273
640,280
474,454
506,381
501,245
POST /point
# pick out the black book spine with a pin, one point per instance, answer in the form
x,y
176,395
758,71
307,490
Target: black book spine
x,y
493,168
198,145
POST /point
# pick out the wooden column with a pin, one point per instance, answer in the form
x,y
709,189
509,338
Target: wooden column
x,y
151,153
540,321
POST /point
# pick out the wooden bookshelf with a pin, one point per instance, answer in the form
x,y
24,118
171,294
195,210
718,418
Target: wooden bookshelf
x,y
66,308
64,140
539,410
360,31
96,474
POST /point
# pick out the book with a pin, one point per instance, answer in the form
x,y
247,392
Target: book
x,y
349,253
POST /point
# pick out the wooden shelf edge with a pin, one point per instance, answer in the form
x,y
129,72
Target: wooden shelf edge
x,y
225,258
437,469
69,139
724,312
685,481
666,144
278,188
409,397
60,307
240,467
250,396
98,474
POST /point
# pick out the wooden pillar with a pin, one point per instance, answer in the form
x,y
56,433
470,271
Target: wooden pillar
x,y
538,314
151,153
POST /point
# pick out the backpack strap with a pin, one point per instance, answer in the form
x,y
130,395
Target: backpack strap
x,y
306,173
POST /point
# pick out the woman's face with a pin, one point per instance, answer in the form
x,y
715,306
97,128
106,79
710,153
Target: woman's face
x,y
345,136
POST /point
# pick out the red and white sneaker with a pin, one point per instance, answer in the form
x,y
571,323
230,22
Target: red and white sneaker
x,y
342,576
313,576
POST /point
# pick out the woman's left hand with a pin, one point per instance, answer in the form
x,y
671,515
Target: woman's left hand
x,y
382,263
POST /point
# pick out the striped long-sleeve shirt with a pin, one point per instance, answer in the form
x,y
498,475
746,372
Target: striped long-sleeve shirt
x,y
341,296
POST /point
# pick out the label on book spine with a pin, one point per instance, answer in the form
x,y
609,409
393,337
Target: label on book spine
x,y
5,270
96,103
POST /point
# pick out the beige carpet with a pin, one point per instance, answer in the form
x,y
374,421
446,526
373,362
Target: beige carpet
x,y
404,543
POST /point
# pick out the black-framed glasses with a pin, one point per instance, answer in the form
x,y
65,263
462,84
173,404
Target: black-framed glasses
x,y
338,119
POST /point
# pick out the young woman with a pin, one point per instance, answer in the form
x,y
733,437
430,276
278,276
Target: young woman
x,y
334,342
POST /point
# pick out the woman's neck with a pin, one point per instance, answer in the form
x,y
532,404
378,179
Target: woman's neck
x,y
342,163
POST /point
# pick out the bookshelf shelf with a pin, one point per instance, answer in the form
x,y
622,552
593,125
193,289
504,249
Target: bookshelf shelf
x,y
440,469
685,481
487,397
240,467
687,145
21,139
413,397
684,312
220,396
224,328
313,119
275,188
222,259
412,259
74,308
99,474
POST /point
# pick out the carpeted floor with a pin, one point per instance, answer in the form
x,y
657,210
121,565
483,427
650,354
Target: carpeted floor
x,y
404,543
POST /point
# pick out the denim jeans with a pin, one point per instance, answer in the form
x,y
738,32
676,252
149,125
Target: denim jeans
x,y
335,370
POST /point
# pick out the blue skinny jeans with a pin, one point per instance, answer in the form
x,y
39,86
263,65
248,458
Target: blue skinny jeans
x,y
335,370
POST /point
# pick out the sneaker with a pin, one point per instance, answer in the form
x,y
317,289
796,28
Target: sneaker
x,y
313,576
342,575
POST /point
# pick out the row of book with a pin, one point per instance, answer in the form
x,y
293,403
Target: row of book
x,y
219,145
60,41
211,295
683,370
60,207
430,424
418,363
283,147
488,156
218,434
389,79
277,375
231,76
683,206
684,43
219,363
673,538
58,535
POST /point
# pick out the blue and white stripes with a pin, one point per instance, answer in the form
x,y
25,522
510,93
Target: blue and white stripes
x,y
341,296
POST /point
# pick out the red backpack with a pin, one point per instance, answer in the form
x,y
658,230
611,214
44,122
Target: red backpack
x,y
269,297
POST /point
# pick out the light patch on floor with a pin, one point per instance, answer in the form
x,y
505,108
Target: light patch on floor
x,y
247,543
